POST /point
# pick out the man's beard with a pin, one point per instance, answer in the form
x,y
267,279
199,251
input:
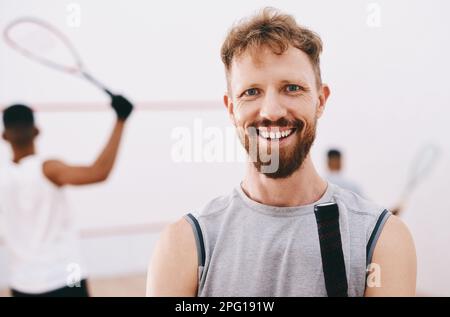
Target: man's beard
x,y
279,162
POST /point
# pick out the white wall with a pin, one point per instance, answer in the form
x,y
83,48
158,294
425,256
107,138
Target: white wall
x,y
389,96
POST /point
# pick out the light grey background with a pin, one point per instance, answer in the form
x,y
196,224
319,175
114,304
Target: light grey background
x,y
389,97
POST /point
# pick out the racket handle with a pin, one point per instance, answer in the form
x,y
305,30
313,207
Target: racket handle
x,y
97,83
108,92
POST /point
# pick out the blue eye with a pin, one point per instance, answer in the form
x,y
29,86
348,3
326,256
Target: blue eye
x,y
251,92
293,88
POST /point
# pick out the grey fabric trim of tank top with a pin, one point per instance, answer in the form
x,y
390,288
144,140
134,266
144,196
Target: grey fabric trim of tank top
x,y
285,211
198,238
376,234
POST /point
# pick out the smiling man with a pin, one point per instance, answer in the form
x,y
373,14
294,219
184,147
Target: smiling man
x,y
262,239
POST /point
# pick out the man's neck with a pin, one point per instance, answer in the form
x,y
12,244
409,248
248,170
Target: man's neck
x,y
303,187
22,152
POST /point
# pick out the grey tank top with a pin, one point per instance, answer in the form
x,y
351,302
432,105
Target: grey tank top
x,y
249,249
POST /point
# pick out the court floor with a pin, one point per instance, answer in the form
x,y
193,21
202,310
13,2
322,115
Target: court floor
x,y
123,286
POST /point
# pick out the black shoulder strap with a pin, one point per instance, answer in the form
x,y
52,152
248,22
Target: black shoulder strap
x,y
198,238
375,235
333,263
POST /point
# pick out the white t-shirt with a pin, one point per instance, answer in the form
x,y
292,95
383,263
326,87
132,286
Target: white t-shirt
x,y
41,241
339,179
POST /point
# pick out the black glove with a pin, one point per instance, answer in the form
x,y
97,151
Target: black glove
x,y
121,106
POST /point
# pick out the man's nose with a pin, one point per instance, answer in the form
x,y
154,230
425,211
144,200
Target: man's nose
x,y
271,108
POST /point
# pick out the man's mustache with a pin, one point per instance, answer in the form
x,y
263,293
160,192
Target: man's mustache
x,y
280,123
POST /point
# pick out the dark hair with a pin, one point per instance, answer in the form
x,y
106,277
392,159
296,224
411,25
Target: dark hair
x,y
333,153
18,116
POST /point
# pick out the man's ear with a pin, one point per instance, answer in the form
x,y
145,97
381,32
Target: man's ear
x,y
35,132
5,136
324,94
229,105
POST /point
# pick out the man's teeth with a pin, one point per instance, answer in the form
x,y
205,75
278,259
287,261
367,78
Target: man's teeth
x,y
275,135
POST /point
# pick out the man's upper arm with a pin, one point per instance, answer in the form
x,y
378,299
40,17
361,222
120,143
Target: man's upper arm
x,y
61,174
173,269
393,262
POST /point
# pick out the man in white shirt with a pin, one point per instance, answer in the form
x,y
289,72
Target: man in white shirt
x,y
335,174
41,240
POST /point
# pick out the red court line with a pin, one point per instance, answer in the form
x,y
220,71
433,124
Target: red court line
x,y
175,105
127,230
123,230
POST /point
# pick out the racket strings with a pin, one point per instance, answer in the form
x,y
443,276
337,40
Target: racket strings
x,y
44,44
421,166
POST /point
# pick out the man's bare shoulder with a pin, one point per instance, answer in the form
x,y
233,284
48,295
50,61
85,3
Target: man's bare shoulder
x,y
173,268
